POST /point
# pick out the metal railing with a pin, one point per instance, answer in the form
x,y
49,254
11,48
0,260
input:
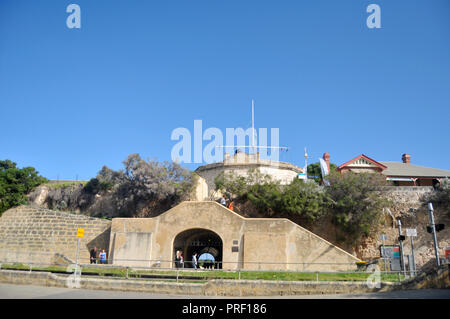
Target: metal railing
x,y
168,270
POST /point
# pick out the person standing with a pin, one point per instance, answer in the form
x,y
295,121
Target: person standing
x,y
231,205
223,201
93,255
195,261
178,259
102,257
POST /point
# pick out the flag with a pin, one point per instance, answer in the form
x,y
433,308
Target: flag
x,y
324,169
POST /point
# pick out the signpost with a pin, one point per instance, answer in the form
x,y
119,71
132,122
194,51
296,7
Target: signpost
x,y
401,238
433,230
383,238
412,232
80,234
392,254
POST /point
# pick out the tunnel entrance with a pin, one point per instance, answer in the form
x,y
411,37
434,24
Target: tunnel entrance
x,y
202,241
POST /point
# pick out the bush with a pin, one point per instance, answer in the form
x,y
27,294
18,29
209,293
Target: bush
x,y
352,201
315,172
305,199
270,197
145,187
440,197
15,183
356,202
95,186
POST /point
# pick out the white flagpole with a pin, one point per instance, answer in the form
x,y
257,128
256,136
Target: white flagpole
x,y
253,125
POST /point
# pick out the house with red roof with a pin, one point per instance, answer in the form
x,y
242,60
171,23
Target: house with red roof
x,y
400,173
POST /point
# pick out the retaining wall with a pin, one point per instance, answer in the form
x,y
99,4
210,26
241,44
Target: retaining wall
x,y
35,235
211,288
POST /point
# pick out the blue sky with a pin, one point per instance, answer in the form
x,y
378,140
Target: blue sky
x,y
73,100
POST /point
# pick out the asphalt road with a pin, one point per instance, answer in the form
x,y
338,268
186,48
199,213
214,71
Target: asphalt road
x,y
8,291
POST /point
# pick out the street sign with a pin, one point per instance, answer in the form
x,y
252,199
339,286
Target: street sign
x,y
80,232
383,237
411,232
392,254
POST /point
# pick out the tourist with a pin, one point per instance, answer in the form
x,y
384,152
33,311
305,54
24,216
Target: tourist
x,y
178,259
194,261
102,257
231,205
223,201
93,256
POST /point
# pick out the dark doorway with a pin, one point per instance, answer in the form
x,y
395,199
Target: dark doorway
x,y
201,241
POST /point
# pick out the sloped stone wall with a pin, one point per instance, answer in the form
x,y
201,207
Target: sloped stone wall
x,y
29,234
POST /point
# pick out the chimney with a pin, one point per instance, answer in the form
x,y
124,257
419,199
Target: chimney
x,y
406,158
326,158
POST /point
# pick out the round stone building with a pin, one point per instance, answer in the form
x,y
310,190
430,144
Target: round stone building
x,y
240,164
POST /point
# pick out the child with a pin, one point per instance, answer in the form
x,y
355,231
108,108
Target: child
x,y
102,257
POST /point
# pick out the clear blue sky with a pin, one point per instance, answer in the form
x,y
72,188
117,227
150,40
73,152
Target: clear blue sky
x,y
73,100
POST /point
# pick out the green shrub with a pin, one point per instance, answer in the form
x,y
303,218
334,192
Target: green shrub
x,y
356,202
15,183
352,201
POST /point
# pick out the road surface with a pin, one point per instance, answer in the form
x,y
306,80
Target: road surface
x,y
9,291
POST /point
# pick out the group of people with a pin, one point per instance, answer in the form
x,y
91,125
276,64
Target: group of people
x,y
227,203
179,262
101,256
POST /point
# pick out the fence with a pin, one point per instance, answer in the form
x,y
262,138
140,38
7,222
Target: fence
x,y
170,270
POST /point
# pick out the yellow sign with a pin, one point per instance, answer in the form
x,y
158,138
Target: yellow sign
x,y
80,232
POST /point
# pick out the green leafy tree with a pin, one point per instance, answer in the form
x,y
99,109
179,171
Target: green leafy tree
x,y
305,199
237,185
105,180
15,183
300,198
313,171
356,202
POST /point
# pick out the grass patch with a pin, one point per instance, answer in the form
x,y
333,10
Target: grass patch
x,y
62,184
202,276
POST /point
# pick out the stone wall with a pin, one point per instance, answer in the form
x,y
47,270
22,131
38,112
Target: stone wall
x,y
239,165
408,206
37,234
221,288
264,243
30,234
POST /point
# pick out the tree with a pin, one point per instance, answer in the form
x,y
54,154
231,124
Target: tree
x,y
299,198
356,202
306,199
314,171
143,187
15,183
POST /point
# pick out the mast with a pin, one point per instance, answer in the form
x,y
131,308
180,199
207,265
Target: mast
x,y
253,125
254,144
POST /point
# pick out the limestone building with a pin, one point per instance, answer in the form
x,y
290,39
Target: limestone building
x,y
240,164
235,242
402,173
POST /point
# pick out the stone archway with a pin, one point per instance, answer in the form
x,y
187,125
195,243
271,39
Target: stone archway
x,y
201,241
